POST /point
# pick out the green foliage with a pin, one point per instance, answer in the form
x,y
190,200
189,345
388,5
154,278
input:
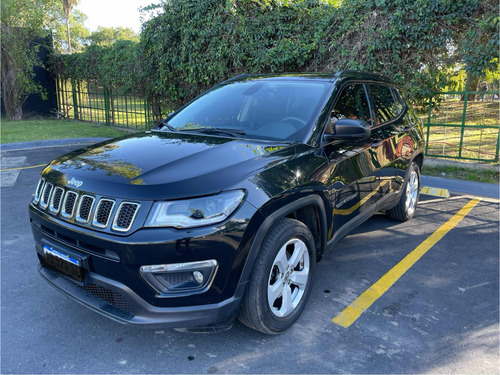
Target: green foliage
x,y
107,36
481,39
194,44
117,66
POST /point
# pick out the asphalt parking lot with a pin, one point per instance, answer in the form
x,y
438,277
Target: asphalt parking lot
x,y
440,316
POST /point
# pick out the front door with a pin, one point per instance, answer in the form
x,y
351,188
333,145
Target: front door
x,y
352,181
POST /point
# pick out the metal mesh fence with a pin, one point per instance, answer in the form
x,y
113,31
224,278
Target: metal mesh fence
x,y
89,101
464,125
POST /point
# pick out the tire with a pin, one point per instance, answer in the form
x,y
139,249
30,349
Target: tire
x,y
281,280
405,209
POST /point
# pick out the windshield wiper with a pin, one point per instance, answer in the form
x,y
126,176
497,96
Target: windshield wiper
x,y
162,125
230,132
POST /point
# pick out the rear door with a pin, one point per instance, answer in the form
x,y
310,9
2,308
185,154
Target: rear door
x,y
391,145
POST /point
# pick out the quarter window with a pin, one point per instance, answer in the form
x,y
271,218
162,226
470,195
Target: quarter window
x,y
398,99
385,105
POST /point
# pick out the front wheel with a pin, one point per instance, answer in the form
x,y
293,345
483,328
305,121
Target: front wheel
x,y
405,209
281,281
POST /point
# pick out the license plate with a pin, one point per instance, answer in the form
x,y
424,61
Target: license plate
x,y
69,265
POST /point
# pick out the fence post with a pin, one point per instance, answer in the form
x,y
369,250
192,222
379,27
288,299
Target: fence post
x,y
75,99
59,108
106,106
149,115
428,126
498,147
146,114
466,96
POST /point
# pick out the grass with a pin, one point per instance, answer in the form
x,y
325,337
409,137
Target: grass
x,y
478,112
39,129
478,175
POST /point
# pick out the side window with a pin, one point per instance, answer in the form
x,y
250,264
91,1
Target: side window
x,y
352,103
385,106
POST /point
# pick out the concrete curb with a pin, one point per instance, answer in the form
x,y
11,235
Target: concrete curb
x,y
49,143
434,162
462,187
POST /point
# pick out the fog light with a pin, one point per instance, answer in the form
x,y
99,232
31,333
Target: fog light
x,y
198,277
180,278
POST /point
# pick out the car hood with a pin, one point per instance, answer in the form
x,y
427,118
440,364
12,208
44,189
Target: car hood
x,y
163,165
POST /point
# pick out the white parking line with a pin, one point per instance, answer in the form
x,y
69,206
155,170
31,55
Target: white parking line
x,y
9,178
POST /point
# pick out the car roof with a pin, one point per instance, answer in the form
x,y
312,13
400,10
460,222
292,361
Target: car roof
x,y
329,77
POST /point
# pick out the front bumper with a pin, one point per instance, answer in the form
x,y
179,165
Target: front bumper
x,y
119,303
114,287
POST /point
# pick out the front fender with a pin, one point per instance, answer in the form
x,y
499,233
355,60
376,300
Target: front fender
x,y
273,217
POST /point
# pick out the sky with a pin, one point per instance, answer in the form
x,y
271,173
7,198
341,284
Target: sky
x,y
112,13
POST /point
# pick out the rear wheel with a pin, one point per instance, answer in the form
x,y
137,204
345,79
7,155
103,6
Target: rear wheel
x,y
281,281
405,209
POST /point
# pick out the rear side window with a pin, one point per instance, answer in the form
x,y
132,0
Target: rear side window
x,y
400,104
412,118
385,104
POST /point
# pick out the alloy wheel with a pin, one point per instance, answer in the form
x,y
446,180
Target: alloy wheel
x,y
288,278
412,193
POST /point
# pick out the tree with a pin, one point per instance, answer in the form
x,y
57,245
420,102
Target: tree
x,y
78,32
67,8
107,36
22,21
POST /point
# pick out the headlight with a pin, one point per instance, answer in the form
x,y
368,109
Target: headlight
x,y
190,213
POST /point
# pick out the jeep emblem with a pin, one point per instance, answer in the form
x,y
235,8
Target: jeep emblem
x,y
75,183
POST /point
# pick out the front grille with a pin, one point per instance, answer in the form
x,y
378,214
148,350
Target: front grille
x,y
46,194
84,209
102,213
125,216
113,298
69,204
38,191
55,202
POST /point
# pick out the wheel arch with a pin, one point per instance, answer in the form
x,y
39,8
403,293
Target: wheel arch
x,y
299,210
419,160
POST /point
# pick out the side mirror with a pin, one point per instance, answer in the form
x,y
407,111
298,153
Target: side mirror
x,y
347,128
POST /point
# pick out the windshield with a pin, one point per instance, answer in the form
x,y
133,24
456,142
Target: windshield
x,y
277,110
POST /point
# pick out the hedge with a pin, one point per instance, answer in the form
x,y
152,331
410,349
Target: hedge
x,y
195,44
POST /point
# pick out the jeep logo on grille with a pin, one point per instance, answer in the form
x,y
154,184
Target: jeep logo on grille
x,y
75,183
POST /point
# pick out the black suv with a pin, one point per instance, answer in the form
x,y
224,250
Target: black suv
x,y
223,208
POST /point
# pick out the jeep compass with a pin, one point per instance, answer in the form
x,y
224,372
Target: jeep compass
x,y
223,208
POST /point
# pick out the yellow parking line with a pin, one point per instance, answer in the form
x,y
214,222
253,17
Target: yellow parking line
x,y
365,300
15,169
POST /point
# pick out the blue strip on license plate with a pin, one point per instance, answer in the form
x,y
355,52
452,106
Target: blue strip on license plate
x,y
57,253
